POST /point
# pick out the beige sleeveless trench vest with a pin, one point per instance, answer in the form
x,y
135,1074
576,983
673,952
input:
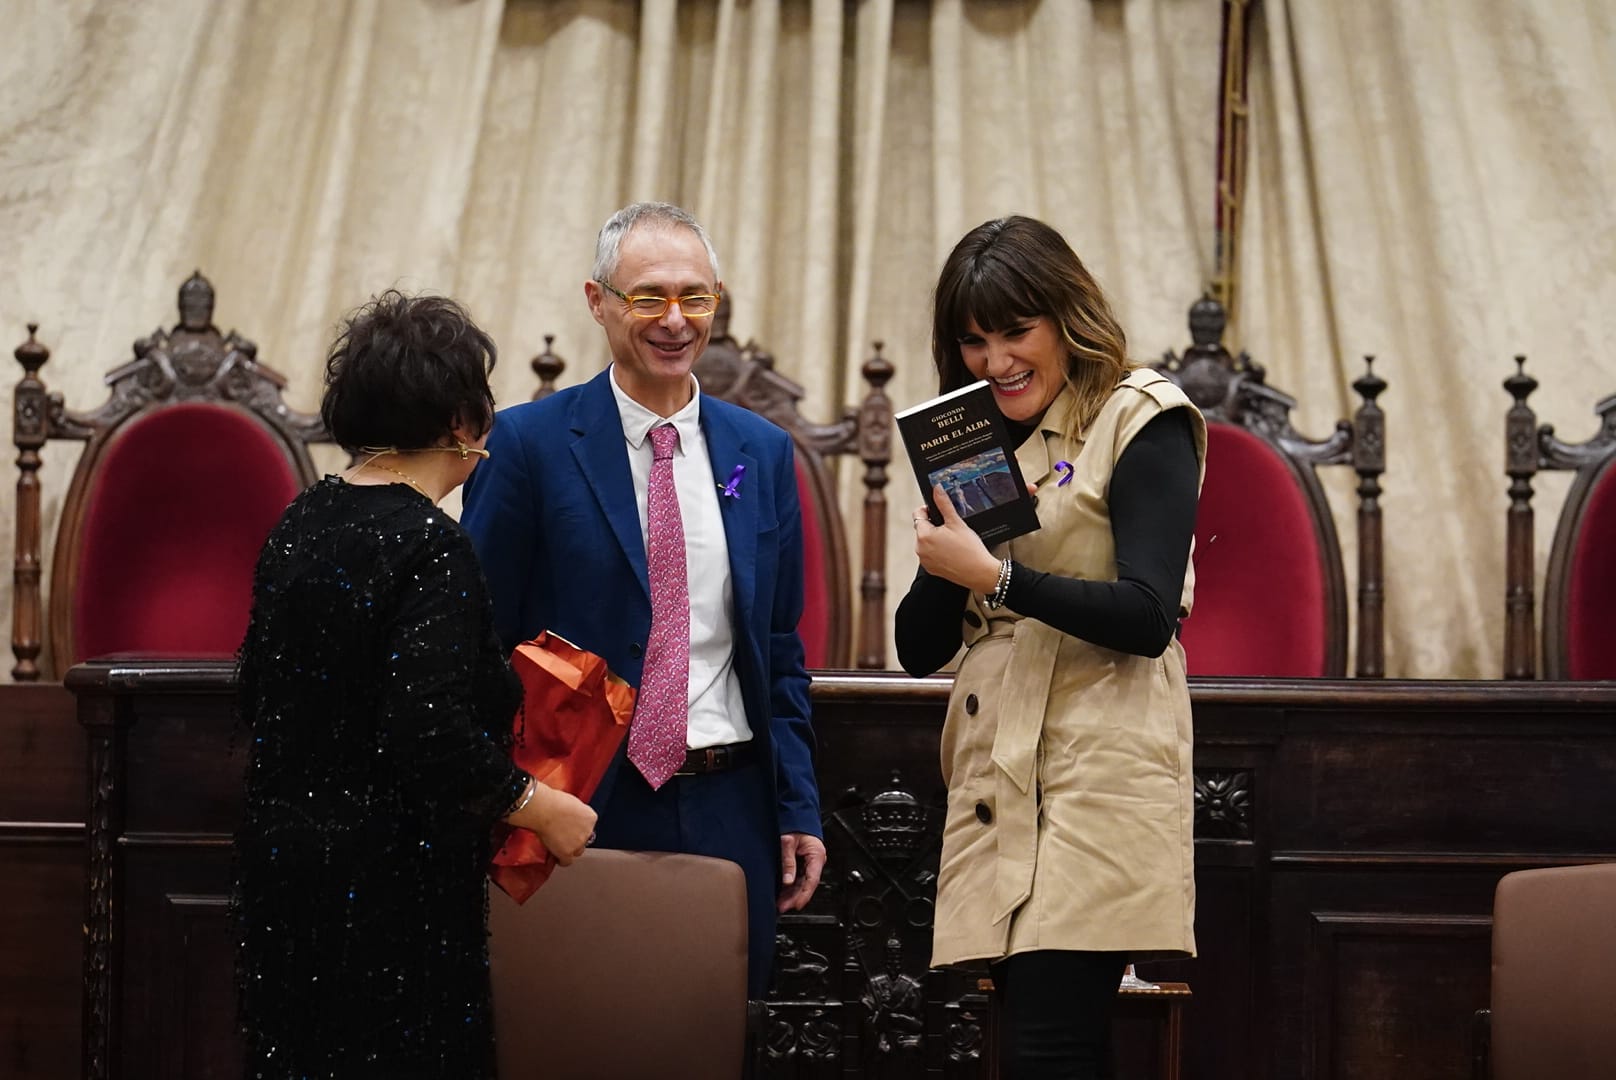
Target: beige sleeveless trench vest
x,y
1070,796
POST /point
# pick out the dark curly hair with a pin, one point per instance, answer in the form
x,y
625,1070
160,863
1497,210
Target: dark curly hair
x,y
404,371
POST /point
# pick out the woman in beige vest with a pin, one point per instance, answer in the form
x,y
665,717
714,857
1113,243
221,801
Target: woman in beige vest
x,y
1066,750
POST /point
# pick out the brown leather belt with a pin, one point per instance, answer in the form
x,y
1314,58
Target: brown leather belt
x,y
710,759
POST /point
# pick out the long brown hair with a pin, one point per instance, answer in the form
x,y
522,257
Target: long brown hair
x,y
1015,268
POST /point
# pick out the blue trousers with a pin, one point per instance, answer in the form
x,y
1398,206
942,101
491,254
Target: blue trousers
x,y
728,815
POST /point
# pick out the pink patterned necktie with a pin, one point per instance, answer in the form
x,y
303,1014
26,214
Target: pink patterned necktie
x,y
656,738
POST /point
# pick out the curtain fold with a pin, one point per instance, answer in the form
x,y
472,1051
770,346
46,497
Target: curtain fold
x,y
1431,183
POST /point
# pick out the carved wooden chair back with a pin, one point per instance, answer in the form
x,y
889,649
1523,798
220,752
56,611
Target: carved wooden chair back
x,y
1579,590
1270,593
185,468
745,375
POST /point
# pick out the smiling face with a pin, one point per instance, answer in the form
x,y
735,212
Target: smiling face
x,y
1015,305
653,357
1024,362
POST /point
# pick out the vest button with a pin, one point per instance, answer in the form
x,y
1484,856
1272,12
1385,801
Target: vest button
x,y
636,649
983,814
973,620
970,704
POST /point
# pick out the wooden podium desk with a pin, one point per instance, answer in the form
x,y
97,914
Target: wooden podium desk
x,y
1348,839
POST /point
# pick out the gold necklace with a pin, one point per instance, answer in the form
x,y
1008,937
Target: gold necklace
x,y
407,478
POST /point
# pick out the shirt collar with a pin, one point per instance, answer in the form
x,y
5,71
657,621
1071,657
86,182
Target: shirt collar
x,y
638,420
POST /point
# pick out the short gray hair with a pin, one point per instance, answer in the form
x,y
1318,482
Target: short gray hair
x,y
609,244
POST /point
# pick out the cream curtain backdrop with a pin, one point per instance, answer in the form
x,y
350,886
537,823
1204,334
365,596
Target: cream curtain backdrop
x,y
306,154
1435,184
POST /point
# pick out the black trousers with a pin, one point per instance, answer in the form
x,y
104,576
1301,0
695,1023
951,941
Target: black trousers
x,y
1055,1014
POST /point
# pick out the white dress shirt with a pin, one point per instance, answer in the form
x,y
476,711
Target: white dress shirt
x,y
717,710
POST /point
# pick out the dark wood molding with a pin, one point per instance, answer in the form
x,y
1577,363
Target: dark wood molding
x,y
105,723
42,866
1334,931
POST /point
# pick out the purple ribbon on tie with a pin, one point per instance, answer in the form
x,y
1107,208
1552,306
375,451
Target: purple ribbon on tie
x,y
1066,471
732,490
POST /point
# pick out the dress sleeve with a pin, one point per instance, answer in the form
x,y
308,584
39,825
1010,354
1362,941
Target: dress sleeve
x,y
1153,495
443,754
926,629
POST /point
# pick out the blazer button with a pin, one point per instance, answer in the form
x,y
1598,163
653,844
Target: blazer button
x,y
970,704
973,620
636,649
983,814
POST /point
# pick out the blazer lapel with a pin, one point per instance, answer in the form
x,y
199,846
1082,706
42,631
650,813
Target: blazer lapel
x,y
727,450
602,456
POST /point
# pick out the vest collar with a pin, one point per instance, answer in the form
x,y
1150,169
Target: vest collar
x,y
1033,454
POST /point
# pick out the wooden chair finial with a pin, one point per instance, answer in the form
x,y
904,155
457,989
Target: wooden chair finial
x,y
548,367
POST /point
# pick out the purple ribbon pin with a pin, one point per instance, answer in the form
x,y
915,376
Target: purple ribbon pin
x,y
732,490
1066,470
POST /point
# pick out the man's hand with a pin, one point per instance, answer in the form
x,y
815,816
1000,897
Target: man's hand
x,y
798,883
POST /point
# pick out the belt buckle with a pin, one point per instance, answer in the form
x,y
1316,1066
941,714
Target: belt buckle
x,y
712,759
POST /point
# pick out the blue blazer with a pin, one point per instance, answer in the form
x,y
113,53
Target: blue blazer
x,y
552,515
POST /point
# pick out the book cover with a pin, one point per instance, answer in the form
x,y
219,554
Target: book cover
x,y
960,440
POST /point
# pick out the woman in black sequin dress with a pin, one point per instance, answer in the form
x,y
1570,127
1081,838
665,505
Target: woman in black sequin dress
x,y
379,705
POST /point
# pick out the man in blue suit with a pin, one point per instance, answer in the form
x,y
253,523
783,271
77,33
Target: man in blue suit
x,y
578,516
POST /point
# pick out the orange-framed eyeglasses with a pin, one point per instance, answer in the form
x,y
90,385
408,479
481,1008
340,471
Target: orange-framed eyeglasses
x,y
696,306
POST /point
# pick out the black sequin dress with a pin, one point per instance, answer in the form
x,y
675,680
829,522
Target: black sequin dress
x,y
379,706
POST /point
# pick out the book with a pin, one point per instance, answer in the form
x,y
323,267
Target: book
x,y
961,441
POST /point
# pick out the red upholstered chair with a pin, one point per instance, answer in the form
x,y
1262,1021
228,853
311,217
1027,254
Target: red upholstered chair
x,y
745,376
1270,593
1579,592
185,469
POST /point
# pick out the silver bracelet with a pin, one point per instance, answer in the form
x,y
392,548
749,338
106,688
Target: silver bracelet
x,y
526,797
995,599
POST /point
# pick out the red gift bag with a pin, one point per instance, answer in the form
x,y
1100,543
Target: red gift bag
x,y
574,716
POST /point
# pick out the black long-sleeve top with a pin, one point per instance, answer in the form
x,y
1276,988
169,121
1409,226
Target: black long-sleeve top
x,y
1153,494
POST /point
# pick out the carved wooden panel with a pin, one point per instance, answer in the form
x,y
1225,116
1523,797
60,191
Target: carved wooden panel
x,y
197,1021
1406,971
852,987
41,881
1223,803
1347,930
